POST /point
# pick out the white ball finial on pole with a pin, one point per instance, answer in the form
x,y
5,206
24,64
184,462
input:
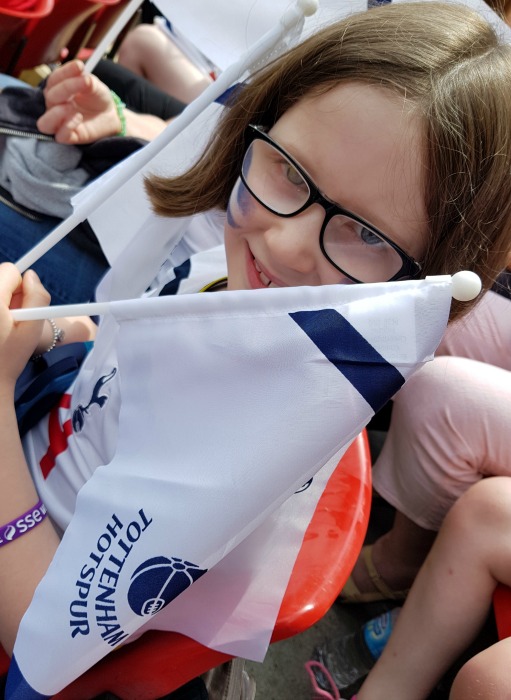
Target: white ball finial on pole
x,y
466,285
308,7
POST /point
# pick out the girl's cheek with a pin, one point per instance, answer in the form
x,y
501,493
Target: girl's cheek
x,y
240,206
231,219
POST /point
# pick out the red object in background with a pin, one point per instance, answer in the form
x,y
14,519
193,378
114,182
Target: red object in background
x,y
502,610
67,26
14,22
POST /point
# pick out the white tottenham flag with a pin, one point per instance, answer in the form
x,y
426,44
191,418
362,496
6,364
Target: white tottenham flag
x,y
194,422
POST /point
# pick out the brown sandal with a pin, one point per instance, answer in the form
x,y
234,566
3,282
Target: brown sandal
x,y
352,594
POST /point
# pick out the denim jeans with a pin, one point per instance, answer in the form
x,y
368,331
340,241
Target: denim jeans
x,y
68,272
6,80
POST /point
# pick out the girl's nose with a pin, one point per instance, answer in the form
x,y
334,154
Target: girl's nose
x,y
294,241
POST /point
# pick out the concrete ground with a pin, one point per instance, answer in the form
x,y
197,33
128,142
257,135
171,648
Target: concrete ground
x,y
282,675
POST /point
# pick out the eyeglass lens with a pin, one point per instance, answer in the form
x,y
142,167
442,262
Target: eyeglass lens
x,y
348,244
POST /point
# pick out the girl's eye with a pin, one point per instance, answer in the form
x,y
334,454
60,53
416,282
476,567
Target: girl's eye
x,y
293,175
369,237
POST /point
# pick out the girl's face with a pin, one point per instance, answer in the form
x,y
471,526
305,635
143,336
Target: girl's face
x,y
361,146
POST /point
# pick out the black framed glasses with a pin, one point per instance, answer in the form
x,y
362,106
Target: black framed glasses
x,y
352,245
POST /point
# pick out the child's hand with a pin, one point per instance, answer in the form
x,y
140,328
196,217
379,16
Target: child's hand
x,y
79,107
18,339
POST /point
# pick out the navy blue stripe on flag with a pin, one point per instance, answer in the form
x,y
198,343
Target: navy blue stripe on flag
x,y
372,376
17,687
229,96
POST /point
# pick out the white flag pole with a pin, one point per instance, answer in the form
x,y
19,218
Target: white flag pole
x,y
140,158
466,286
37,313
112,34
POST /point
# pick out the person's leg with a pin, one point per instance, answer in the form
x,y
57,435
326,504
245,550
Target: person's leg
x,y
398,554
68,271
485,676
448,429
484,334
451,596
136,92
10,81
149,52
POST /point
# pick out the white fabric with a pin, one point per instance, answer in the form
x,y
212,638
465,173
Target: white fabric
x,y
200,435
224,29
127,211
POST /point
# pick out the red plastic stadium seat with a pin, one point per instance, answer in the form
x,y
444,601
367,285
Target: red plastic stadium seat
x,y
160,662
69,24
502,610
13,25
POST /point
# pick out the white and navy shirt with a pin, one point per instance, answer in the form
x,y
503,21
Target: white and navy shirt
x,y
80,434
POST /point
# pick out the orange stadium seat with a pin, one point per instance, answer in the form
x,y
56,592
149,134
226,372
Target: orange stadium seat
x,y
502,610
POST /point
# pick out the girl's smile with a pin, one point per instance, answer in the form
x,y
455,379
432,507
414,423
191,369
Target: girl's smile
x,y
258,276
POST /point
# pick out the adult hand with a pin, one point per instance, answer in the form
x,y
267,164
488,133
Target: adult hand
x,y
79,107
18,339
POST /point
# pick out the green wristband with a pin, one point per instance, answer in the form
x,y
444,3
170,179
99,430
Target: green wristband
x,y
119,106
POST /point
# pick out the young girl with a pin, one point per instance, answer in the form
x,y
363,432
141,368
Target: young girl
x,y
376,150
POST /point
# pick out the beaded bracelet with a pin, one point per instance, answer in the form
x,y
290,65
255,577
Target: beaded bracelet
x,y
119,106
58,337
22,524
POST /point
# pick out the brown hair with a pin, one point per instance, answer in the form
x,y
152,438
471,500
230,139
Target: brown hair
x,y
448,62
